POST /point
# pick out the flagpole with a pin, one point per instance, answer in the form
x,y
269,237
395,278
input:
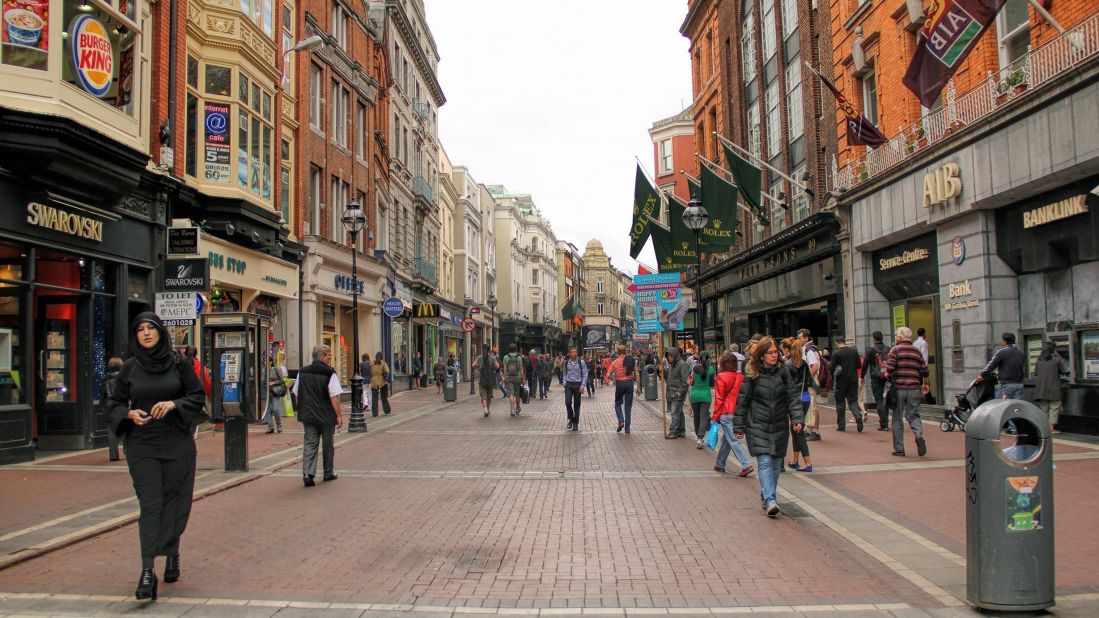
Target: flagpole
x,y
715,168
761,162
642,168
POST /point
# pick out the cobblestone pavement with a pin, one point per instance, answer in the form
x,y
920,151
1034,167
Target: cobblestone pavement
x,y
440,511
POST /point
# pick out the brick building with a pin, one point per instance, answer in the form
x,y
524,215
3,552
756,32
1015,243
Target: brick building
x,y
339,106
988,199
753,52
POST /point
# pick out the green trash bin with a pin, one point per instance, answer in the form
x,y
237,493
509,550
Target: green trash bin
x,y
450,385
1009,507
651,383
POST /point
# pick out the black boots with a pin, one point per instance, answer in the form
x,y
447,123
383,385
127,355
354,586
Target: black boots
x,y
171,569
146,586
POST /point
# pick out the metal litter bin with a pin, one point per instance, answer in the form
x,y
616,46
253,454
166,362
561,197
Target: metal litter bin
x,y
651,383
1009,507
450,385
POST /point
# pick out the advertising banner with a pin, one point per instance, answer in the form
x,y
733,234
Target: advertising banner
x,y
26,35
659,303
216,137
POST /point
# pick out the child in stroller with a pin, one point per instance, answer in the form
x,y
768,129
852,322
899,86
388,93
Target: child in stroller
x,y
975,394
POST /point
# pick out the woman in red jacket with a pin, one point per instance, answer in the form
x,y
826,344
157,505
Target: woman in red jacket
x,y
726,389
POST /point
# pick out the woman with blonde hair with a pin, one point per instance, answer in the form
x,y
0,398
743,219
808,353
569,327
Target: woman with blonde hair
x,y
765,408
799,371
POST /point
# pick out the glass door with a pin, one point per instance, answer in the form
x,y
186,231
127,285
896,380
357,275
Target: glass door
x,y
58,378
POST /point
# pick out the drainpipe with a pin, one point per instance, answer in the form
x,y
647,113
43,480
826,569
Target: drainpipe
x,y
167,130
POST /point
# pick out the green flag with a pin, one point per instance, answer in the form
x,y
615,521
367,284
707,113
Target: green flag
x,y
749,179
719,199
666,261
646,204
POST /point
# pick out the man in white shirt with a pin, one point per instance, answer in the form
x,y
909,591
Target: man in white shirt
x,y
318,391
921,344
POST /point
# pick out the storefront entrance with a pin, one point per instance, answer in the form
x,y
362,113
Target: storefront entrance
x,y
59,387
917,313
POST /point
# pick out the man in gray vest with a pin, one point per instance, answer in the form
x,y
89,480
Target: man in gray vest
x,y
318,391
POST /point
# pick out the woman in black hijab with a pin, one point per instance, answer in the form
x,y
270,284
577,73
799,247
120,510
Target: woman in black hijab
x,y
156,401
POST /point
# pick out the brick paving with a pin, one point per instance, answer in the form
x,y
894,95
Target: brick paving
x,y
444,509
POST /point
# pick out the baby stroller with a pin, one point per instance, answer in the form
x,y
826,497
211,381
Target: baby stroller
x,y
976,394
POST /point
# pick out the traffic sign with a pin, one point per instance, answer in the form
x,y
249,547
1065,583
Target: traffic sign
x,y
468,325
393,307
474,310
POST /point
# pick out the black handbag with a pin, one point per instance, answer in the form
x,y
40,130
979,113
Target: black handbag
x,y
278,389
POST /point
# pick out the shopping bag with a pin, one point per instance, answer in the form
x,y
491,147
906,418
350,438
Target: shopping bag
x,y
288,401
524,394
713,436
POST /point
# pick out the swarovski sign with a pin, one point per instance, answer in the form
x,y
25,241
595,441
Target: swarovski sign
x,y
187,275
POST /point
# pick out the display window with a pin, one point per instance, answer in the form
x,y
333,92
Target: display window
x,y
1088,345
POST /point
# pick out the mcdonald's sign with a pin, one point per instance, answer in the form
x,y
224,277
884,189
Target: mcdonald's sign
x,y
426,310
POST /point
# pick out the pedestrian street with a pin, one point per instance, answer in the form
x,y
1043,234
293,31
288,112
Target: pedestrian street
x,y
441,511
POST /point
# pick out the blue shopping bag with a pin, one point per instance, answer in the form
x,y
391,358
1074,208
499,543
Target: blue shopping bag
x,y
712,436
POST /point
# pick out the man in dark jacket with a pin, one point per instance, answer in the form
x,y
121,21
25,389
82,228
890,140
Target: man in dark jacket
x,y
908,372
678,371
845,372
318,391
872,371
1009,363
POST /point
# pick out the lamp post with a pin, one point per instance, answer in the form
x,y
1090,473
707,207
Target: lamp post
x,y
491,300
695,218
353,221
312,42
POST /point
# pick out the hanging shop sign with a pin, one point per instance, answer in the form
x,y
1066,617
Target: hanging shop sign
x,y
217,132
957,250
181,308
426,310
183,241
1070,207
186,275
942,185
63,221
393,307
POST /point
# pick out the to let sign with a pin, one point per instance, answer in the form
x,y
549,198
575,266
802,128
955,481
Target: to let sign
x,y
176,306
183,241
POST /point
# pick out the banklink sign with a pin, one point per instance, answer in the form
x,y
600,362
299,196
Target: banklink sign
x,y
65,222
1056,211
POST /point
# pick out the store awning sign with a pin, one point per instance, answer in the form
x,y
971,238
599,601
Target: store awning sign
x,y
183,241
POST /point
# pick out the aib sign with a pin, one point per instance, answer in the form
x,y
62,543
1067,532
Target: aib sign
x,y
187,275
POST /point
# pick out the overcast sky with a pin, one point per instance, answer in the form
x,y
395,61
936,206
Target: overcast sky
x,y
556,99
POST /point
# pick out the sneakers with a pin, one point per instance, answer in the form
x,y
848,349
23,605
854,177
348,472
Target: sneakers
x,y
486,410
812,437
671,436
620,426
719,469
698,443
308,481
746,471
808,468
772,510
331,477
899,453
921,447
858,424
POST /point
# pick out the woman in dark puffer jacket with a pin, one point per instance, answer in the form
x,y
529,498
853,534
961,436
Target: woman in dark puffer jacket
x,y
765,409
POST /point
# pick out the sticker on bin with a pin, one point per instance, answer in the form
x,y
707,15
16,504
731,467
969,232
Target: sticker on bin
x,y
1024,503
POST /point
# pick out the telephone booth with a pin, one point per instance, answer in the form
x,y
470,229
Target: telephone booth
x,y
234,347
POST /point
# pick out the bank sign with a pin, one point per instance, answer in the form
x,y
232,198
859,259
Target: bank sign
x,y
658,303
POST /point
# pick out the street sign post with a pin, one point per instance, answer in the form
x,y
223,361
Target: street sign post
x,y
468,325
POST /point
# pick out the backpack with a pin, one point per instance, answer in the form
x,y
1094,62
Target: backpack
x,y
823,377
513,366
486,376
874,370
628,364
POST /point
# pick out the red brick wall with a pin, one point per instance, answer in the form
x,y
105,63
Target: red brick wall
x,y
161,51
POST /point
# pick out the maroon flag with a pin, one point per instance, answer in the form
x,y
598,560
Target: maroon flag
x,y
951,30
860,131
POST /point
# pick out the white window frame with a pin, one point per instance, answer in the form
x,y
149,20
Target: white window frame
x,y
599,308
789,18
795,113
666,161
314,220
337,201
774,119
753,128
339,26
748,48
800,201
869,83
534,276
770,36
599,286
1005,38
341,99
315,92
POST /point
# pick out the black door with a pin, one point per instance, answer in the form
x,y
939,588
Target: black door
x,y
60,372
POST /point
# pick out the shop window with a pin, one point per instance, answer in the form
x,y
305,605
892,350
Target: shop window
x,y
137,284
12,258
254,135
102,334
105,39
1088,366
13,377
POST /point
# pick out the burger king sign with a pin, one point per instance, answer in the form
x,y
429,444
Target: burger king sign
x,y
92,55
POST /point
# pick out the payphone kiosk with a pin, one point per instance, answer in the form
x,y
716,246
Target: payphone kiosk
x,y
234,347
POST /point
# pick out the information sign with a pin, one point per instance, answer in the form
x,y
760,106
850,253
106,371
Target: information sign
x,y
393,307
176,305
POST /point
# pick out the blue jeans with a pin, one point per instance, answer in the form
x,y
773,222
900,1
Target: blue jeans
x,y
768,468
623,397
730,443
1009,390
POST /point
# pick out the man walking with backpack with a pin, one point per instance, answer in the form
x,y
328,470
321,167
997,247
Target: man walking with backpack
x,y
514,376
575,371
623,372
872,366
485,367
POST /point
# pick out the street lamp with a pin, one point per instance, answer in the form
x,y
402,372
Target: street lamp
x,y
312,42
492,308
354,221
695,218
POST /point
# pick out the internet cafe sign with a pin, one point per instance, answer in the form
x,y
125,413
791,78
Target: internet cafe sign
x,y
942,185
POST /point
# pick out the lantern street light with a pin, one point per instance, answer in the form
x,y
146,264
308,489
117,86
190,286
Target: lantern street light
x,y
695,218
354,221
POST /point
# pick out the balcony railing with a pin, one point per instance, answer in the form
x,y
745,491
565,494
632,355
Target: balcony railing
x,y
425,270
421,187
1017,80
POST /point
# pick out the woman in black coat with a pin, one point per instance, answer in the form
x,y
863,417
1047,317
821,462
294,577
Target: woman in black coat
x,y
765,409
156,401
